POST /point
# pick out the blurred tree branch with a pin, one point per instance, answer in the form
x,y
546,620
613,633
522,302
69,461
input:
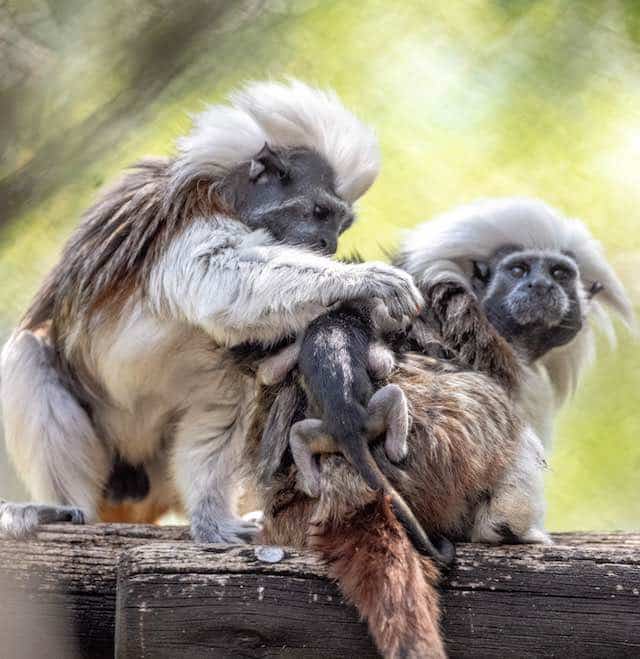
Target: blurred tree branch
x,y
148,44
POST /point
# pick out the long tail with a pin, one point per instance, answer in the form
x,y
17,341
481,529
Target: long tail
x,y
378,570
48,434
440,549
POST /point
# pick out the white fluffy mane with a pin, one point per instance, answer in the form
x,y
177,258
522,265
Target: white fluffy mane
x,y
281,115
446,247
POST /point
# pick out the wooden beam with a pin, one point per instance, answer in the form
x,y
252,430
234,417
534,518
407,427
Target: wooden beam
x,y
580,597
577,598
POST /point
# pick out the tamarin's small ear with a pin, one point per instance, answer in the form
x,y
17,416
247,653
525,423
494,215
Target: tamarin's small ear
x,y
256,168
481,271
268,162
594,289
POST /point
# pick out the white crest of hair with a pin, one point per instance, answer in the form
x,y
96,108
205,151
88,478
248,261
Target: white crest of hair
x,y
291,115
444,248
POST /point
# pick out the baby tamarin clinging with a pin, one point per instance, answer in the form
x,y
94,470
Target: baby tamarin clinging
x,y
337,356
464,436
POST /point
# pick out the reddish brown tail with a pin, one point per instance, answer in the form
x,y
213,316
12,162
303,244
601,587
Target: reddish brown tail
x,y
379,571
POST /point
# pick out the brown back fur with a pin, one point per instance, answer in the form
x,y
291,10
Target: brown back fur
x,y
463,437
116,244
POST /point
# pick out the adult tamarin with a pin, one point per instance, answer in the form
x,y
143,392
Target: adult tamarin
x,y
123,356
530,272
468,470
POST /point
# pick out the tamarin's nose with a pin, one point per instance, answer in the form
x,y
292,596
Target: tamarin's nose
x,y
540,284
327,245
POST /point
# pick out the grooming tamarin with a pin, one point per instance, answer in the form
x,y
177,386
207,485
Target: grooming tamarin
x,y
123,357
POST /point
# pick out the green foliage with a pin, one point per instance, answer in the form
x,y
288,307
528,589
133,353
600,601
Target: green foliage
x,y
470,100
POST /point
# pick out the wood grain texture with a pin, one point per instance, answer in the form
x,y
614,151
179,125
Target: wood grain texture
x,y
578,598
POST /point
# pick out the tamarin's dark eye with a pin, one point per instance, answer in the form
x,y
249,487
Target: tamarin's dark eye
x,y
560,274
320,212
284,175
518,271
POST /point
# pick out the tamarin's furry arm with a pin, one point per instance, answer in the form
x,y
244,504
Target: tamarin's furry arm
x,y
464,330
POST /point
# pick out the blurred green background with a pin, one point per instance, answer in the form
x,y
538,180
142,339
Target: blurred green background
x,y
470,99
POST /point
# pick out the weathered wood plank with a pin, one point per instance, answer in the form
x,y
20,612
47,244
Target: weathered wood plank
x,y
226,602
58,598
577,598
58,590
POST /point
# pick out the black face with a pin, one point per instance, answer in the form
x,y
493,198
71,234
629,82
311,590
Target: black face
x,y
292,195
531,298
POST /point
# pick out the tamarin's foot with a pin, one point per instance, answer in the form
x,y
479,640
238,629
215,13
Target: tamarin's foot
x,y
22,520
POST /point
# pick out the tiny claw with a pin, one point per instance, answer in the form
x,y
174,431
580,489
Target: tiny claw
x,y
446,551
249,535
255,170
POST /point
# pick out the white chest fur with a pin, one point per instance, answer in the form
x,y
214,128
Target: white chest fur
x,y
152,372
